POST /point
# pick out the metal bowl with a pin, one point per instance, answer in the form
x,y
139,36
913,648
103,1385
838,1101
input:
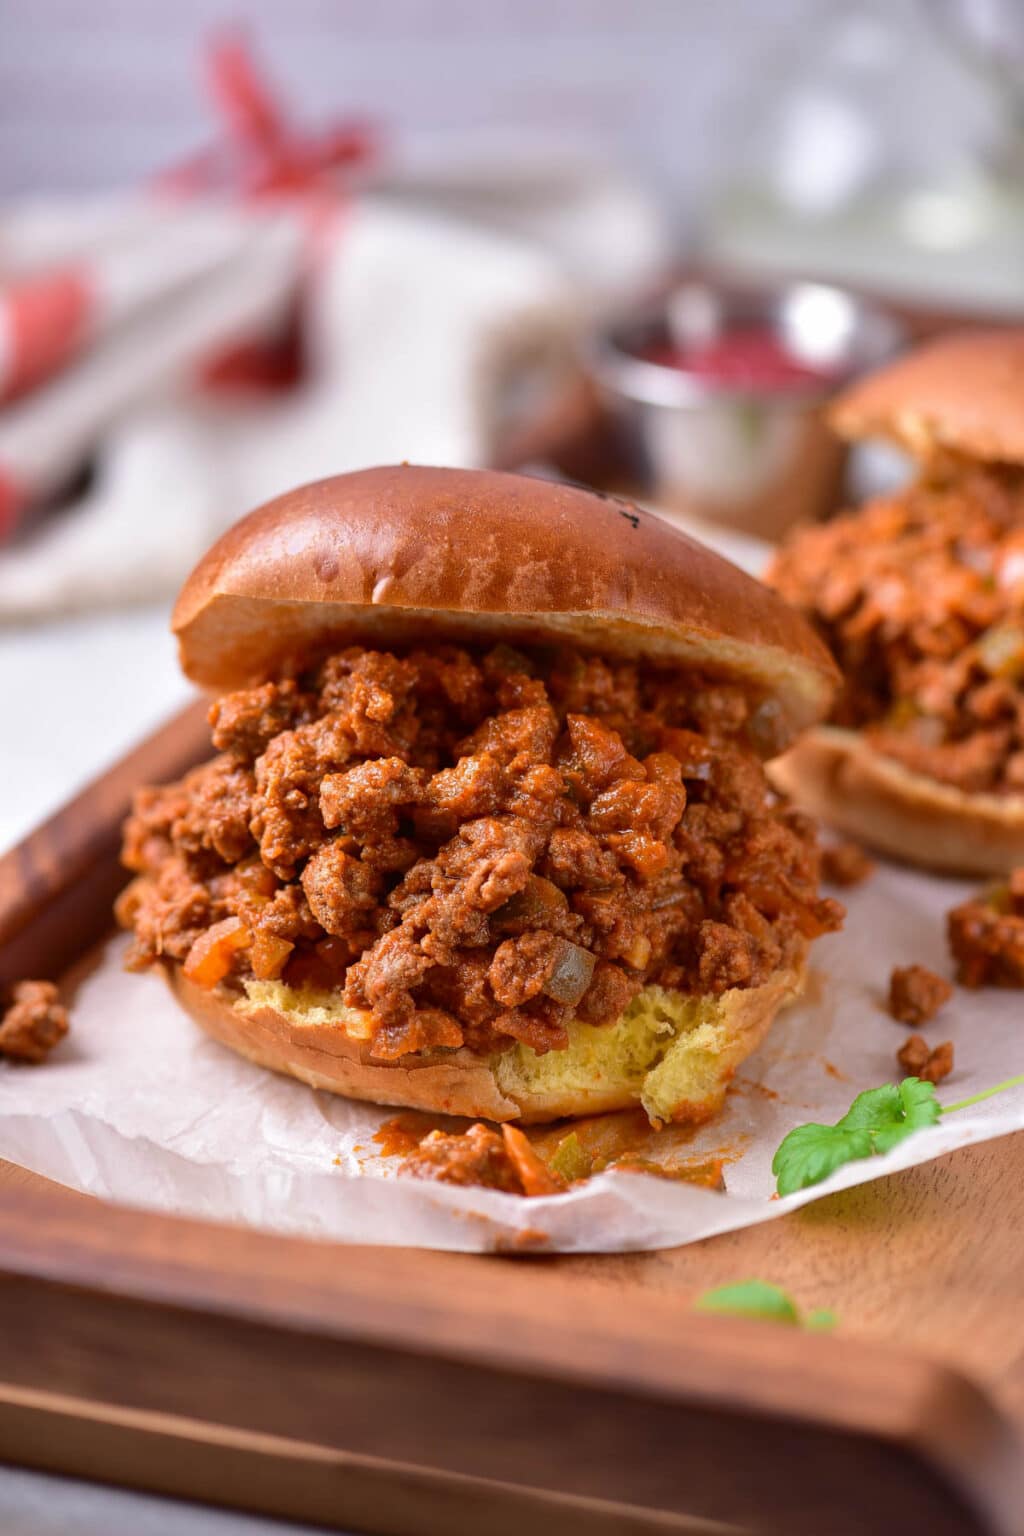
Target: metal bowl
x,y
758,459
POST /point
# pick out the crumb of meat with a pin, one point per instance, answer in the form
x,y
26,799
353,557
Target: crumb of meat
x,y
920,596
34,1023
477,1157
986,936
476,848
916,994
483,1158
845,864
919,1059
474,1157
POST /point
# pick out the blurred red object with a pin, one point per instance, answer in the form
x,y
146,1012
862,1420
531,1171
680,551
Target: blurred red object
x,y
202,281
44,319
262,154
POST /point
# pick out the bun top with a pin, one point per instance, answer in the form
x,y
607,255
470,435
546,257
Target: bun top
x,y
962,393
406,554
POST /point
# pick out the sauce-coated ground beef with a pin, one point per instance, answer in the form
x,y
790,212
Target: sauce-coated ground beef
x,y
986,936
34,1023
916,994
476,847
918,1059
921,598
478,1156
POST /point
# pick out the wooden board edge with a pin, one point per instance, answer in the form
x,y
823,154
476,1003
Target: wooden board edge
x,y
270,1475
82,1296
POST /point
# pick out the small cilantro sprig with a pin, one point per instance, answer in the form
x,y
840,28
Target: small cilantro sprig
x,y
759,1298
877,1120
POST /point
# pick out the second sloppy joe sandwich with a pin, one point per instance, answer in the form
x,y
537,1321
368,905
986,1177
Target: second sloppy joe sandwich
x,y
920,595
487,830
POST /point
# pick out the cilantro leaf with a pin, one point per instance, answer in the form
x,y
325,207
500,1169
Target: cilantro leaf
x,y
873,1107
920,1108
759,1298
877,1120
811,1152
750,1298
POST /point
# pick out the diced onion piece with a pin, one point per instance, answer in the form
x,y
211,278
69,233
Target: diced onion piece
x,y
534,1174
765,730
639,952
571,1160
533,906
572,973
212,955
258,880
268,955
1011,567
1001,650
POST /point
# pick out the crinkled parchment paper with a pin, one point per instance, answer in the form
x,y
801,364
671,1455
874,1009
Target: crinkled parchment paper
x,y
138,1106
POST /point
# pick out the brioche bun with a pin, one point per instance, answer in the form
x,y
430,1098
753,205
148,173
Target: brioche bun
x,y
405,553
963,394
838,776
674,1055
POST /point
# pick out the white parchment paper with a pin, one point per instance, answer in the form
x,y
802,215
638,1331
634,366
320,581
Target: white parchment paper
x,y
138,1106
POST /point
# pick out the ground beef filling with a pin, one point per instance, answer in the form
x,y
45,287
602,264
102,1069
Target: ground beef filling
x,y
477,847
921,598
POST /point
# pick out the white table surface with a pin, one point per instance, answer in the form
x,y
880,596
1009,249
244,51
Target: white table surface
x,y
34,1504
75,694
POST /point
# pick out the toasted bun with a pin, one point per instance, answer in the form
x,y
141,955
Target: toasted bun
x,y
838,776
963,394
407,554
675,1055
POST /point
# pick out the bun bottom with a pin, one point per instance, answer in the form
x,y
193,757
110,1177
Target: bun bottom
x,y
671,1053
840,778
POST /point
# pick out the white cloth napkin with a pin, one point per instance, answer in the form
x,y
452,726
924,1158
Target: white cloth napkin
x,y
420,322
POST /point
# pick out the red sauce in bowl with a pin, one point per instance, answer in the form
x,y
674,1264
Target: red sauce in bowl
x,y
751,358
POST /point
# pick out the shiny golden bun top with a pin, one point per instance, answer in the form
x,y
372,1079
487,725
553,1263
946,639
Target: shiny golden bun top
x,y
408,554
963,393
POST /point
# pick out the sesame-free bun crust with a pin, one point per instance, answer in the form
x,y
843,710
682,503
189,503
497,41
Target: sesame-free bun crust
x,y
685,1078
410,554
839,777
324,1056
963,393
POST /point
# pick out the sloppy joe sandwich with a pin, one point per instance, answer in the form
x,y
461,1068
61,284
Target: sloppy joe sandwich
x,y
920,596
487,830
